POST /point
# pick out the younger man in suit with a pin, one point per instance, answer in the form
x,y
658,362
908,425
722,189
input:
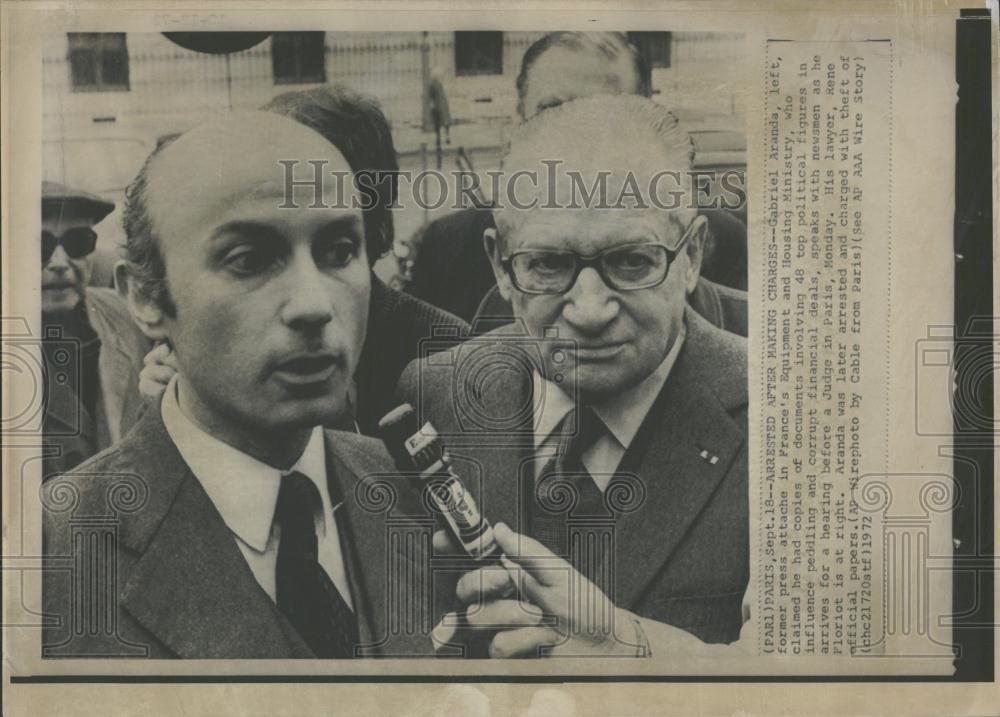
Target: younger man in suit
x,y
642,420
397,322
243,536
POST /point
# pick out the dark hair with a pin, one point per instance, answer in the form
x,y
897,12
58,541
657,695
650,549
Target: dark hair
x,y
610,44
142,248
355,125
352,122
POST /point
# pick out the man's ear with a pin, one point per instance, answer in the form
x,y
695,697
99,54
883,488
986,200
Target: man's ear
x,y
491,243
695,251
146,314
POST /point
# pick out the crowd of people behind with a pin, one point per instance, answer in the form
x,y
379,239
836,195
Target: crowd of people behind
x,y
242,361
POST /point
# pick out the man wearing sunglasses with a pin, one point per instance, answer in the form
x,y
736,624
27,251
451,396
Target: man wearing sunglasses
x,y
93,349
638,426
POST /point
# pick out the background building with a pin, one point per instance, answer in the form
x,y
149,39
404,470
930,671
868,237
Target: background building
x,y
109,97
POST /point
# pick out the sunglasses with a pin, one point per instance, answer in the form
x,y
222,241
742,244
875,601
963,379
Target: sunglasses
x,y
78,242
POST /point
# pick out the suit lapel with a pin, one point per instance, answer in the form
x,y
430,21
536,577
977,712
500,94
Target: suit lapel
x,y
686,420
364,556
194,592
382,569
462,397
191,588
499,467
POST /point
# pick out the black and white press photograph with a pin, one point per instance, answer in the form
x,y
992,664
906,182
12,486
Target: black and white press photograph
x,y
444,359
395,344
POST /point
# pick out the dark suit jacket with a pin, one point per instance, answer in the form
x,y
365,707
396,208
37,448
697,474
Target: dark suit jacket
x,y
68,425
452,271
397,323
140,563
683,556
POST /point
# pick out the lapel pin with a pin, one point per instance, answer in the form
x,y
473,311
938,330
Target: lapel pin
x,y
708,457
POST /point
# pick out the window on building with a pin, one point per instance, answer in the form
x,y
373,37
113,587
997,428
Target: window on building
x,y
98,61
654,46
298,57
478,53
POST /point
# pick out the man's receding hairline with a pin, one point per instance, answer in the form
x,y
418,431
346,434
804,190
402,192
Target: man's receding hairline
x,y
258,130
177,144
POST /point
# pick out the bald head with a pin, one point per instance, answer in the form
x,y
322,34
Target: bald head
x,y
583,126
207,168
609,140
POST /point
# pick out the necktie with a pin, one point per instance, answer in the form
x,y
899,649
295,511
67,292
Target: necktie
x,y
549,523
306,594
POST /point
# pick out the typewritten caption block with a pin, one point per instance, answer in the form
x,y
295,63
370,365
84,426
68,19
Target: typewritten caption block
x,y
824,318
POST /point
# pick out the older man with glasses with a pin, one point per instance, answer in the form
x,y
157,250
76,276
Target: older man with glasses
x,y
623,491
93,350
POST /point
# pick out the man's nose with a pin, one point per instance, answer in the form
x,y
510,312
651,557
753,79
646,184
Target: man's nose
x,y
59,261
309,305
592,305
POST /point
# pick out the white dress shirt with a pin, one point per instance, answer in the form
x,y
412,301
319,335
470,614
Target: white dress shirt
x,y
622,414
245,492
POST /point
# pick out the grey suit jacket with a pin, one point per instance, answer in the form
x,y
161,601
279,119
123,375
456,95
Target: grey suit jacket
x,y
68,425
682,557
140,563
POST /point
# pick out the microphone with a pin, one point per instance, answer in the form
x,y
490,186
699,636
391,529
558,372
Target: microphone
x,y
416,449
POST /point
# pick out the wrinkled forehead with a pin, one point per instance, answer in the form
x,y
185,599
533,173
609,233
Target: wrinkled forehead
x,y
617,188
588,146
589,230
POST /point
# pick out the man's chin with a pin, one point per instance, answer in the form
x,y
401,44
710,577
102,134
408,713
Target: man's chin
x,y
59,301
306,409
597,386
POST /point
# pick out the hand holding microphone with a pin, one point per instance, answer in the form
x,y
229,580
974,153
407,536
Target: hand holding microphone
x,y
502,625
420,451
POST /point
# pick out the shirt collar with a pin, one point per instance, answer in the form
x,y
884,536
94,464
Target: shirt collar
x,y
622,414
243,489
551,405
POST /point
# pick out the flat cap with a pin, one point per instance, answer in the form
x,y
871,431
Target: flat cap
x,y
55,196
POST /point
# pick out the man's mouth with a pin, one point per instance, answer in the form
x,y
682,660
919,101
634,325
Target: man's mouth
x,y
58,286
597,352
307,368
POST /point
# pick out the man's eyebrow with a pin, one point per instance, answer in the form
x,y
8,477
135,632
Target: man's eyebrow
x,y
349,222
261,231
248,229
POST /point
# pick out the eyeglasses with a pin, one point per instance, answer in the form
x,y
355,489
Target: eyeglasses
x,y
627,267
78,243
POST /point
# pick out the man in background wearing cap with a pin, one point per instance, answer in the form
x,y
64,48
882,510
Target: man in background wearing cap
x,y
93,350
